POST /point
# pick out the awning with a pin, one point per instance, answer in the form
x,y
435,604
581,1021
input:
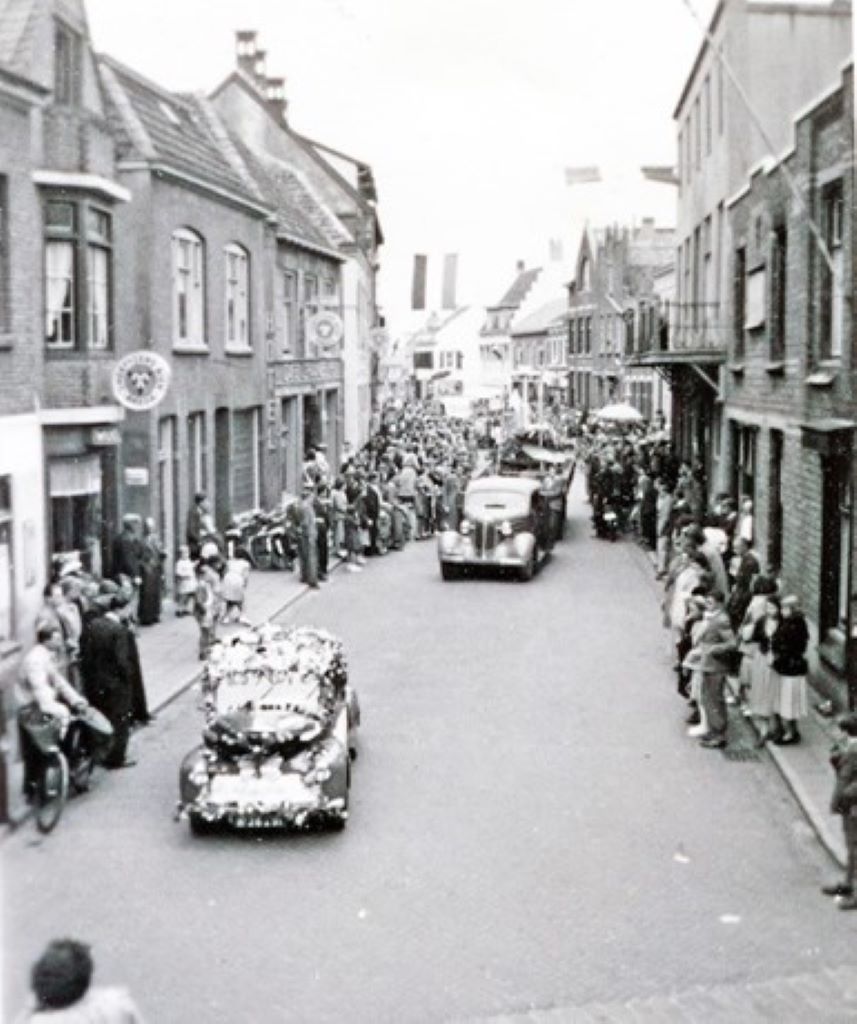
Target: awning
x,y
829,436
74,476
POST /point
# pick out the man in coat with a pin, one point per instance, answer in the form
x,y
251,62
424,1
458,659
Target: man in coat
x,y
108,677
716,643
372,510
843,757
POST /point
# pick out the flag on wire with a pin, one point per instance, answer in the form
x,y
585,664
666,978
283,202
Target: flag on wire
x,y
582,175
418,287
663,175
450,274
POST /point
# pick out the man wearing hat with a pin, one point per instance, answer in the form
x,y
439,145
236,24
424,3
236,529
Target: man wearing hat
x,y
307,534
843,757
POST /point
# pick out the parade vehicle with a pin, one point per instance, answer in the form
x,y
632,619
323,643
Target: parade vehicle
x,y
278,742
506,523
538,454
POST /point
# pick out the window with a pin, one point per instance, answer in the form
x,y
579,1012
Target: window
x,y
7,588
423,361
835,542
721,99
98,242
188,290
688,129
5,294
778,294
78,276
330,293
310,306
237,298
587,327
706,112
743,462
697,135
289,321
831,300
68,51
739,295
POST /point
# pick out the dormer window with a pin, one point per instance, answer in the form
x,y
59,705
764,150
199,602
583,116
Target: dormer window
x,y
68,65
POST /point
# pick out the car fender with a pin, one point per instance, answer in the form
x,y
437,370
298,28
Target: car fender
x,y
188,789
524,544
448,542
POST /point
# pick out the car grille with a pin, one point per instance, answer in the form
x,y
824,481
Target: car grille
x,y
485,537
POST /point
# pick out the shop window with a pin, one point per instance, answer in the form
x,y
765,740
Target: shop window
x,y
7,578
68,65
188,289
831,299
237,298
743,462
75,490
197,450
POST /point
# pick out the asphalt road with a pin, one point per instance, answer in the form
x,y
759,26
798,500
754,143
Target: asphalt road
x,y
530,827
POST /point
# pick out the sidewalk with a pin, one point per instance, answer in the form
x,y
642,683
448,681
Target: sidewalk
x,y
169,652
804,767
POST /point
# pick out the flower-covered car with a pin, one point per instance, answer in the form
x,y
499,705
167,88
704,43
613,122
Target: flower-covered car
x,y
506,524
279,735
537,455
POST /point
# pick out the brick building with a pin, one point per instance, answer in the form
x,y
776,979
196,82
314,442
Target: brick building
x,y
583,393
782,54
791,385
253,107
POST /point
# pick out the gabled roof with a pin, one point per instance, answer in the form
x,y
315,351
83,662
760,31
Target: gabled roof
x,y
170,129
18,22
541,319
301,217
517,291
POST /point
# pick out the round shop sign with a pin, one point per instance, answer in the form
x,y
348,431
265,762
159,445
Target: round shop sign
x,y
141,380
325,329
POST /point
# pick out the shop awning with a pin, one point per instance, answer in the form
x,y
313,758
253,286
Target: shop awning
x,y
74,476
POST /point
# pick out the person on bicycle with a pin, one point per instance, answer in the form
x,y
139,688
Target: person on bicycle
x,y
42,688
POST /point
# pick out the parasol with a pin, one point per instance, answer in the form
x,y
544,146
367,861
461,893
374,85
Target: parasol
x,y
621,412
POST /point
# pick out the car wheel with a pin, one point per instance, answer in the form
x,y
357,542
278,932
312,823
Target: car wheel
x,y
528,570
447,571
200,827
338,823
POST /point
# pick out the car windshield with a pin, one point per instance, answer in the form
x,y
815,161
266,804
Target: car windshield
x,y
496,504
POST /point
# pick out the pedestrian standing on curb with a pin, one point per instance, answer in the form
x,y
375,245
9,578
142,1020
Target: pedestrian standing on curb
x,y
62,992
664,525
789,669
338,513
185,581
763,699
752,660
323,508
193,526
207,604
717,643
307,536
128,558
233,590
843,758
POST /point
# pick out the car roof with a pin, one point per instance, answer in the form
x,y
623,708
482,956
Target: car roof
x,y
509,484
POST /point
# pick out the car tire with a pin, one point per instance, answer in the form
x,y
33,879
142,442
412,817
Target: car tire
x,y
448,572
338,823
200,827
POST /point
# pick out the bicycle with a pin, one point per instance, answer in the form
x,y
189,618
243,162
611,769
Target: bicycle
x,y
63,764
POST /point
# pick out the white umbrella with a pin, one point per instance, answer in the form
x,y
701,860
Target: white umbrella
x,y
621,412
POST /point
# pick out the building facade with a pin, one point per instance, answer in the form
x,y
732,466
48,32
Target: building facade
x,y
791,382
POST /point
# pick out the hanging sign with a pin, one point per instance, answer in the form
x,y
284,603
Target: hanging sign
x,y
141,380
325,330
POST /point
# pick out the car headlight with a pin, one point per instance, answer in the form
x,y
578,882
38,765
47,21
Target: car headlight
x,y
505,528
465,527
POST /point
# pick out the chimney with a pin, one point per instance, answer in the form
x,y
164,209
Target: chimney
x,y
520,266
275,96
245,51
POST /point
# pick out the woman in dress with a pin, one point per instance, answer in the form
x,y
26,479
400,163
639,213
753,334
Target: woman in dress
x,y
151,579
789,668
762,588
762,701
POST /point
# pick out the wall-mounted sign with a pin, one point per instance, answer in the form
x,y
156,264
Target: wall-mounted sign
x,y
104,437
141,380
325,330
136,476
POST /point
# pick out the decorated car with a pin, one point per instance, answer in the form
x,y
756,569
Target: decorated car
x,y
537,453
505,524
278,742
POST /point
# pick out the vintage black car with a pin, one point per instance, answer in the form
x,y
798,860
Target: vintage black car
x,y
279,735
506,523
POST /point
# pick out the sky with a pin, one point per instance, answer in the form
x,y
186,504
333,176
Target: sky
x,y
467,110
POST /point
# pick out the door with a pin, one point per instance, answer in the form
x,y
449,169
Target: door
x,y
775,500
222,459
168,502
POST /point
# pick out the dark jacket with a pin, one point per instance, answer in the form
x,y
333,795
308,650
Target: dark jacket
x,y
106,667
717,643
788,646
127,555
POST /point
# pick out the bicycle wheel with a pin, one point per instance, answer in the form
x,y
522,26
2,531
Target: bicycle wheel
x,y
52,791
78,754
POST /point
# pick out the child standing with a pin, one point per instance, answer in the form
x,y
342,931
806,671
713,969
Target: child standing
x,y
233,589
185,574
206,605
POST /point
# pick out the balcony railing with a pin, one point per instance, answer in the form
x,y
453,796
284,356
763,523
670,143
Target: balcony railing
x,y
676,327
